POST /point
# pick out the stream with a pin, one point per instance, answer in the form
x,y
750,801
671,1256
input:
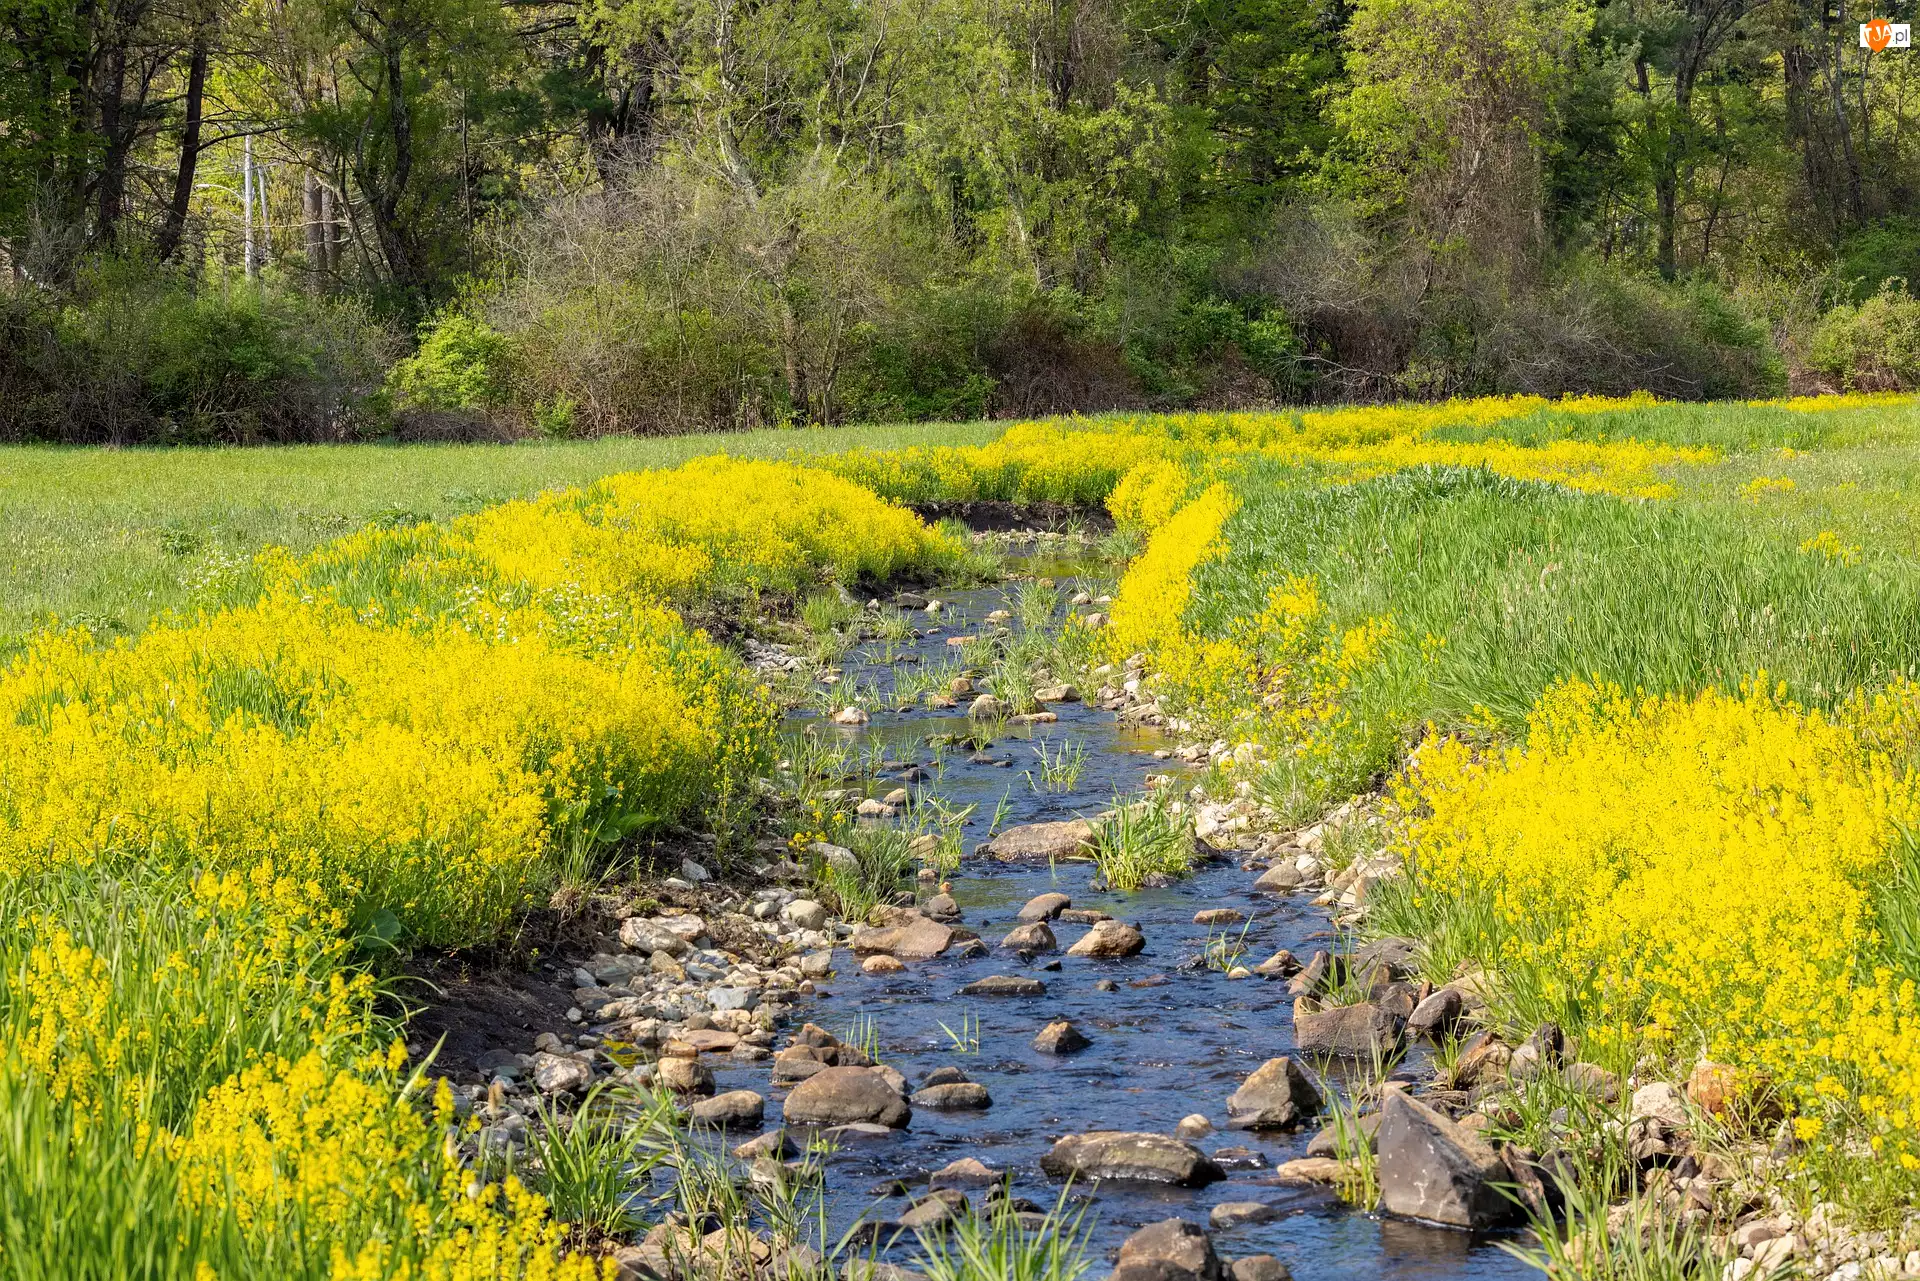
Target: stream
x,y
1173,1039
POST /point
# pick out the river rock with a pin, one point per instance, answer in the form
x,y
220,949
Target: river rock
x,y
916,939
1277,1096
1327,1142
929,1212
943,907
1230,1214
1314,977
1312,1169
1482,1059
1433,1169
1170,1250
1390,957
1032,937
1282,879
1349,1031
1281,964
964,1173
774,1144
1121,1154
805,913
987,708
1219,916
846,1096
560,1074
837,857
733,1109
1040,841
642,935
1060,1037
1436,1016
882,963
1005,985
1109,940
683,1075
958,1096
1258,1267
1044,907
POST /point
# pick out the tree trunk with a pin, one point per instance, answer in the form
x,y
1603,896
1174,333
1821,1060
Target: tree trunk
x,y
117,134
176,224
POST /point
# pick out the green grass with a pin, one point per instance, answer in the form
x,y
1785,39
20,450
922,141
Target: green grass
x,y
1728,426
1529,584
1141,838
113,537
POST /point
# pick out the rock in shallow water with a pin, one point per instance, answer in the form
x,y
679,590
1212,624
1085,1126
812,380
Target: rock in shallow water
x,y
916,937
1040,841
1109,940
1060,1037
1350,1031
734,1109
1433,1169
1121,1154
683,1076
1170,1250
1004,985
959,1096
964,1173
1277,1096
1044,907
1033,937
845,1096
1228,1214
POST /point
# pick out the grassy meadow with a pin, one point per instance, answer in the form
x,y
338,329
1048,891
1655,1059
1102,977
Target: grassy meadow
x,y
1627,688
113,537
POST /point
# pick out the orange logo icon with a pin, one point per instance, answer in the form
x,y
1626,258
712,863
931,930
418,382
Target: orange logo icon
x,y
1881,34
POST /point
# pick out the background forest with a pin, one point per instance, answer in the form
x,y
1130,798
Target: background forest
x,y
327,219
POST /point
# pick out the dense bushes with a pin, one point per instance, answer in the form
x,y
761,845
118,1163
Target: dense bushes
x,y
135,356
1874,346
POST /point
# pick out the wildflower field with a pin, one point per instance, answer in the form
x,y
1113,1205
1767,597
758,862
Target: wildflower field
x,y
1636,684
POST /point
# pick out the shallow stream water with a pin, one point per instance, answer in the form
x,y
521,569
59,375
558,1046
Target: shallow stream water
x,y
1173,1040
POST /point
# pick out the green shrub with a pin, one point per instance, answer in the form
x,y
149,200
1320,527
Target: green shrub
x,y
1874,346
138,355
461,365
1885,255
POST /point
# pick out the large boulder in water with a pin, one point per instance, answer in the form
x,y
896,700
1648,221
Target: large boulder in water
x,y
915,936
1123,1154
847,1096
1041,842
1432,1169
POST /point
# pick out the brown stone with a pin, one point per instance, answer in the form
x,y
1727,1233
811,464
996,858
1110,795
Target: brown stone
x,y
917,938
1041,841
1109,940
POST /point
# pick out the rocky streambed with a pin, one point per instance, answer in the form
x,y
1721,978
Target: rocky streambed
x,y
1159,1066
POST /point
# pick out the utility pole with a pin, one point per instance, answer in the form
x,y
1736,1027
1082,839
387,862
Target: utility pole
x,y
246,205
266,218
